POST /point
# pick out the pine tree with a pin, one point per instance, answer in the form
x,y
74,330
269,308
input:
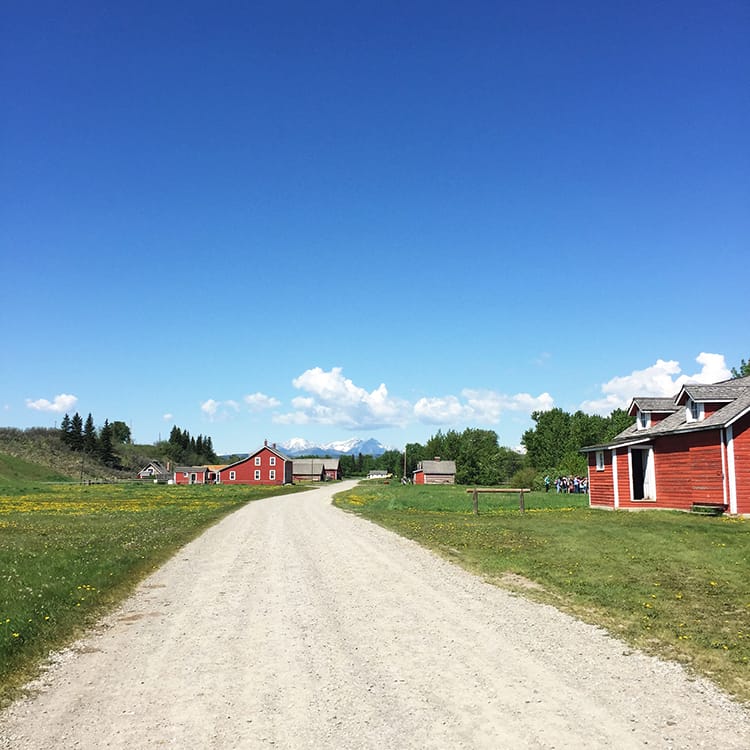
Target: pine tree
x,y
89,435
76,433
65,430
106,452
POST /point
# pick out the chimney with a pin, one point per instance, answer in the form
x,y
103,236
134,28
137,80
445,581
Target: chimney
x,y
273,445
265,443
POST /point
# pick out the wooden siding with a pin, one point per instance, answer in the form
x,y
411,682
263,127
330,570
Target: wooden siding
x,y
623,480
741,432
601,486
245,470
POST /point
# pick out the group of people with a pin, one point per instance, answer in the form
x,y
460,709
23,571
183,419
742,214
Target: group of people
x,y
567,484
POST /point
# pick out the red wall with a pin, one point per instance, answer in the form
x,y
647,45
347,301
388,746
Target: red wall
x,y
601,488
179,478
419,477
741,432
245,470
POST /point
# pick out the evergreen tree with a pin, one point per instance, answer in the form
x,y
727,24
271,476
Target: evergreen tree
x,y
89,435
65,428
106,451
76,433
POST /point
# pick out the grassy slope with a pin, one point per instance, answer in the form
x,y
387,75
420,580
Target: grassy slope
x,y
43,449
14,471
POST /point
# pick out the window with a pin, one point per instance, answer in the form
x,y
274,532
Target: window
x,y
257,460
600,460
272,461
272,474
643,420
232,476
693,411
257,475
184,474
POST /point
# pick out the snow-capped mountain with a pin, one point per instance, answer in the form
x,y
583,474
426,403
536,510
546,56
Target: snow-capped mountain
x,y
352,447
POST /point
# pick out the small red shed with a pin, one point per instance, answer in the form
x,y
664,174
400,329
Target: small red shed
x,y
435,472
686,451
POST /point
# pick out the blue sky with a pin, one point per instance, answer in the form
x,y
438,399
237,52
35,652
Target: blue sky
x,y
337,219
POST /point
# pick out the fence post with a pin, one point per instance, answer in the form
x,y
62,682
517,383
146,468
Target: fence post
x,y
475,500
521,502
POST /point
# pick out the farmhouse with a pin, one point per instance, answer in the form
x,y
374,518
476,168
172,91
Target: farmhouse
x,y
435,472
315,469
268,465
155,471
682,452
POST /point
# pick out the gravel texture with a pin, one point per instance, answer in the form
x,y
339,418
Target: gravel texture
x,y
292,624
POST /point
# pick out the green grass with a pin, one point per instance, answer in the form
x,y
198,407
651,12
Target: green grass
x,y
15,471
674,584
69,553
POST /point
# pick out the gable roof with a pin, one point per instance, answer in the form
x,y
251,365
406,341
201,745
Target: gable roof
x,y
272,448
735,392
314,465
437,467
158,468
658,405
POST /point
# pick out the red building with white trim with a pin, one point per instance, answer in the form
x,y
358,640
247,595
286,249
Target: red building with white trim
x,y
693,449
268,465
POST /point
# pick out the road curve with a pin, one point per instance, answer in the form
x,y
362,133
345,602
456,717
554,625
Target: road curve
x,y
292,624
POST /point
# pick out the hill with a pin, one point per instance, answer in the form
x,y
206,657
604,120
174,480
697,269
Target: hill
x,y
39,454
14,470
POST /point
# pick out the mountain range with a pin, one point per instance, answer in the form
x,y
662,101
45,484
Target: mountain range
x,y
351,447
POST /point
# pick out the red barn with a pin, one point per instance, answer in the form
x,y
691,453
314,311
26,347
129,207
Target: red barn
x,y
693,449
267,465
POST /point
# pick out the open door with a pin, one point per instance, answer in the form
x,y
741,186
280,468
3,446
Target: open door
x,y
643,477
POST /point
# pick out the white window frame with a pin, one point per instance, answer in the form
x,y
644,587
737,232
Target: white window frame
x,y
257,475
232,476
257,460
644,420
694,411
600,460
272,475
272,461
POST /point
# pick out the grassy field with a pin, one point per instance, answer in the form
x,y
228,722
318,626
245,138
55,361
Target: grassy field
x,y
68,553
673,584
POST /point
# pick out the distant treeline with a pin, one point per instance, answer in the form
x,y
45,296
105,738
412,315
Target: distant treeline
x,y
552,447
184,449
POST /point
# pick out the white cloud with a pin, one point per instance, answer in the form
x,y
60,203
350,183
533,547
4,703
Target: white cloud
x,y
336,400
210,407
167,417
445,410
478,406
61,403
661,379
216,410
260,402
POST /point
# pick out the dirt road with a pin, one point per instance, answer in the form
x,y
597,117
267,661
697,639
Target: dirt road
x,y
294,625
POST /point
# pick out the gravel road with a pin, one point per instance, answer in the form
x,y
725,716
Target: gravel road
x,y
291,624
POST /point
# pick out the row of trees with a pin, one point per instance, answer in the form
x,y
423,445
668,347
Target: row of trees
x,y
183,448
84,437
552,447
479,459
